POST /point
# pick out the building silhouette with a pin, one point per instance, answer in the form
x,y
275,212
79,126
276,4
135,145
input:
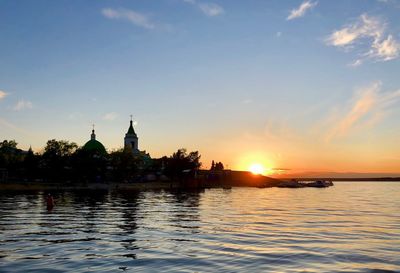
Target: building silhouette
x,y
131,141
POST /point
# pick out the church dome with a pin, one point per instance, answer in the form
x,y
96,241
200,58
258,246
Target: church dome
x,y
93,145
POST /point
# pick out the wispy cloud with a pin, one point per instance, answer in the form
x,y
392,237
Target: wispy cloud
x,y
11,126
110,116
356,63
385,50
2,94
369,31
367,107
209,9
301,10
278,129
22,105
136,18
364,27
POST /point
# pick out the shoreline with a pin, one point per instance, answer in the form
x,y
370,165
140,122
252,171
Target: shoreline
x,y
116,186
240,179
204,180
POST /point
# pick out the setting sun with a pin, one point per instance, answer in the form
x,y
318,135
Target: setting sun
x,y
257,169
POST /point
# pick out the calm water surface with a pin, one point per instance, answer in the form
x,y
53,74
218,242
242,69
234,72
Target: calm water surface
x,y
351,227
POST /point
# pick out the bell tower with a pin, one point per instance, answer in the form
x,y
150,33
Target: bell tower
x,y
131,140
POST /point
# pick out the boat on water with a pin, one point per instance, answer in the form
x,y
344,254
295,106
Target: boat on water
x,y
320,184
290,184
296,184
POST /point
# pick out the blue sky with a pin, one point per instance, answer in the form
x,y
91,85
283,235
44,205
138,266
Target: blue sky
x,y
294,84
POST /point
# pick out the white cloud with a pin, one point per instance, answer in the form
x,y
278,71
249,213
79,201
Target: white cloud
x,y
209,9
385,50
367,107
134,17
301,10
369,31
2,94
364,27
22,105
110,116
356,63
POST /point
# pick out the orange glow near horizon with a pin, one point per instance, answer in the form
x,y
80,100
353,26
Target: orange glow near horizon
x,y
257,168
255,162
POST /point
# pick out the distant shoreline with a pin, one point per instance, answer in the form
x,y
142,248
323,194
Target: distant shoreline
x,y
363,179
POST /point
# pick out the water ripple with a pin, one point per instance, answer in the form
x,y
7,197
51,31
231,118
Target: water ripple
x,y
352,227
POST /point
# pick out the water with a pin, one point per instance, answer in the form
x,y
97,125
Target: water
x,y
351,227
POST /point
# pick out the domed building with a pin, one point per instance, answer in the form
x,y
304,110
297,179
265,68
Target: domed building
x,y
93,145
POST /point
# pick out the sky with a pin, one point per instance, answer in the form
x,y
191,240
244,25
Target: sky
x,y
292,85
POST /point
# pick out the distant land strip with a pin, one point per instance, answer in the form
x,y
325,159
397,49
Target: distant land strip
x,y
338,179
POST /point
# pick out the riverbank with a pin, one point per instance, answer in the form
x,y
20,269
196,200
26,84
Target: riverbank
x,y
35,186
204,180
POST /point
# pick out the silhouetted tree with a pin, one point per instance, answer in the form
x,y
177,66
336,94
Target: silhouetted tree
x,y
212,165
219,166
11,158
56,159
59,148
124,165
8,145
9,153
31,165
89,166
182,161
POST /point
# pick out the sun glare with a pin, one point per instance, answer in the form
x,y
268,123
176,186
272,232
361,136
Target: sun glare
x,y
257,168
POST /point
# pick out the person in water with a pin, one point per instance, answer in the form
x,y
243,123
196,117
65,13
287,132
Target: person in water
x,y
49,201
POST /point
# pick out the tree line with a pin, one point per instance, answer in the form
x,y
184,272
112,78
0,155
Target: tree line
x,y
64,161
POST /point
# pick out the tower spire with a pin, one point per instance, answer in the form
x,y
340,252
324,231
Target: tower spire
x,y
131,139
93,135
